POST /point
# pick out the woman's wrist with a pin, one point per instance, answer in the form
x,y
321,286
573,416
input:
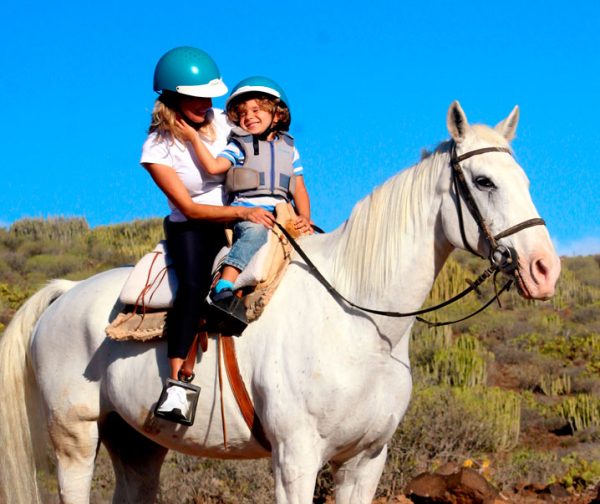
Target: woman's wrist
x,y
240,212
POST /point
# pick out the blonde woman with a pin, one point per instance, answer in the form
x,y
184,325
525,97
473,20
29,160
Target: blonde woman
x,y
187,79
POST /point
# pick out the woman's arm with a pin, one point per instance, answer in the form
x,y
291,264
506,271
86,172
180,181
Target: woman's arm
x,y
211,165
170,184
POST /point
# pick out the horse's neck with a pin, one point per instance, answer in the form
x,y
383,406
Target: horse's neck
x,y
387,255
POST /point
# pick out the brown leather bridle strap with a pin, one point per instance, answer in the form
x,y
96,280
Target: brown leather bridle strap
x,y
519,227
462,189
499,255
241,393
483,150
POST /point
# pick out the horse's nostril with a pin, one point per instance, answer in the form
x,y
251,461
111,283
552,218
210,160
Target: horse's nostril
x,y
540,271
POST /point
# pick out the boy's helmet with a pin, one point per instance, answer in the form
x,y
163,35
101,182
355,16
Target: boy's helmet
x,y
189,71
258,84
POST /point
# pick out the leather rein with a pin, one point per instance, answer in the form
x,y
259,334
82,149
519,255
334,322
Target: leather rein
x,y
502,258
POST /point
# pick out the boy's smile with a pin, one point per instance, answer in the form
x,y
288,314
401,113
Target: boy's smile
x,y
253,119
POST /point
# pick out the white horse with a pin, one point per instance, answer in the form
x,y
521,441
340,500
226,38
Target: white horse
x,y
329,382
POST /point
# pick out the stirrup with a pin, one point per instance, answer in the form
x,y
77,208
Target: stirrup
x,y
229,315
192,393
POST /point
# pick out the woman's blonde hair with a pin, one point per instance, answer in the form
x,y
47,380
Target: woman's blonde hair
x,y
164,117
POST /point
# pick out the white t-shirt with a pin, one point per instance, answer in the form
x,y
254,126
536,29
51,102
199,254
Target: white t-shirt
x,y
202,187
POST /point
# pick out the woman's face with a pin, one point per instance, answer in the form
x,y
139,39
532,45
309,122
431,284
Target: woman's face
x,y
194,108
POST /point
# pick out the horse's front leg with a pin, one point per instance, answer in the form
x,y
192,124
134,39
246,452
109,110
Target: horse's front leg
x,y
356,479
296,462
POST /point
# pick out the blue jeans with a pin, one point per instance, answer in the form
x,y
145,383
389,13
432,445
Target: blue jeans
x,y
248,237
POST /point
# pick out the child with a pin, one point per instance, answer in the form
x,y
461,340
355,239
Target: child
x,y
266,171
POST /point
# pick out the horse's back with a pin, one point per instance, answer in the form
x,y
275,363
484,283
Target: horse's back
x,y
67,343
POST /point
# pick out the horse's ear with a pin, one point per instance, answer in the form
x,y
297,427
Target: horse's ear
x,y
457,122
508,127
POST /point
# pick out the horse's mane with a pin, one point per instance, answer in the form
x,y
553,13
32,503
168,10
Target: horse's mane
x,y
384,223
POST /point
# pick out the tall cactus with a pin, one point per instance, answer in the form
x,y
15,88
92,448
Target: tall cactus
x,y
581,411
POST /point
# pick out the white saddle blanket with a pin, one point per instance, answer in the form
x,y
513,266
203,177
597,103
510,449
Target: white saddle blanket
x,y
153,283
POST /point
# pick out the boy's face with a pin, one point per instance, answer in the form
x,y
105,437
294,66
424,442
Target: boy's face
x,y
253,119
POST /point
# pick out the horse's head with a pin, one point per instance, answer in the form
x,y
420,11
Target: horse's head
x,y
487,208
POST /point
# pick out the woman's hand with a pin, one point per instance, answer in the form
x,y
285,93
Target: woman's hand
x,y
303,225
258,215
185,130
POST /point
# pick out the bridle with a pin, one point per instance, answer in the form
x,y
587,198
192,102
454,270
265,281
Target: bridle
x,y
502,258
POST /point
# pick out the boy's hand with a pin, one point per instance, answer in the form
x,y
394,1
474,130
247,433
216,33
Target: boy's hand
x,y
303,225
186,131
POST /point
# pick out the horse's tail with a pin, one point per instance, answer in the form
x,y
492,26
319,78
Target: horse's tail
x,y
22,423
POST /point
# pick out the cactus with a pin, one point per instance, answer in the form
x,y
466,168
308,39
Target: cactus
x,y
581,411
129,241
555,386
60,229
463,364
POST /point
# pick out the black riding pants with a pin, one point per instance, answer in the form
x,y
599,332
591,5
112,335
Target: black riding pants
x,y
192,246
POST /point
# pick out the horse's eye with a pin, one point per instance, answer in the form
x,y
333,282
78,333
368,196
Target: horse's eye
x,y
484,183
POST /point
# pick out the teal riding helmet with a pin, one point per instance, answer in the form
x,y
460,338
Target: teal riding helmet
x,y
189,71
258,84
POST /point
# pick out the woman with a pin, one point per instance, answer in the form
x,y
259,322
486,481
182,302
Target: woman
x,y
187,79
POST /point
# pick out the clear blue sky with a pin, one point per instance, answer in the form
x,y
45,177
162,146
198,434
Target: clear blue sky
x,y
369,84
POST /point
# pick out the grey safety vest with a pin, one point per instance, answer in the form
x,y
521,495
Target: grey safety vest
x,y
268,166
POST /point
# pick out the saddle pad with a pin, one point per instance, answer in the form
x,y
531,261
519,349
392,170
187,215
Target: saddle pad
x,y
275,262
137,326
152,283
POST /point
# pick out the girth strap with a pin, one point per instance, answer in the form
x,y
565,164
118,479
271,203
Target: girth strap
x,y
241,393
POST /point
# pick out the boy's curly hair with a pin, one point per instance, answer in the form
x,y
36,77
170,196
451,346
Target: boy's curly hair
x,y
266,102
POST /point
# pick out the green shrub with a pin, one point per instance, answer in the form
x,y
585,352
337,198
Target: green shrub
x,y
580,473
525,466
52,266
451,424
125,242
14,296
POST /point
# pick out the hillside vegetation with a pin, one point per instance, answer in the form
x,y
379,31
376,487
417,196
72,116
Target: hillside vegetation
x,y
513,392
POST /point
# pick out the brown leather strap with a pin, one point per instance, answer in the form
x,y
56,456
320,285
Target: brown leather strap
x,y
241,394
219,369
187,368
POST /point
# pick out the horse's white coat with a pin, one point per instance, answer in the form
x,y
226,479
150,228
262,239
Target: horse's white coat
x,y
329,383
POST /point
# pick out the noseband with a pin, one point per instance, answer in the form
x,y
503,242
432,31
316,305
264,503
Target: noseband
x,y
501,257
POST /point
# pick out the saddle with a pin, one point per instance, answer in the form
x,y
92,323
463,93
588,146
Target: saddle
x,y
150,288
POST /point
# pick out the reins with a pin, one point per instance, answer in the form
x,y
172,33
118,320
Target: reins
x,y
502,258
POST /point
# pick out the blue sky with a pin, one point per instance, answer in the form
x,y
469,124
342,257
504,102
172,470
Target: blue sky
x,y
369,85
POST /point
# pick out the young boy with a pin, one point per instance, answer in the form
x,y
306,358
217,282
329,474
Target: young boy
x,y
263,168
